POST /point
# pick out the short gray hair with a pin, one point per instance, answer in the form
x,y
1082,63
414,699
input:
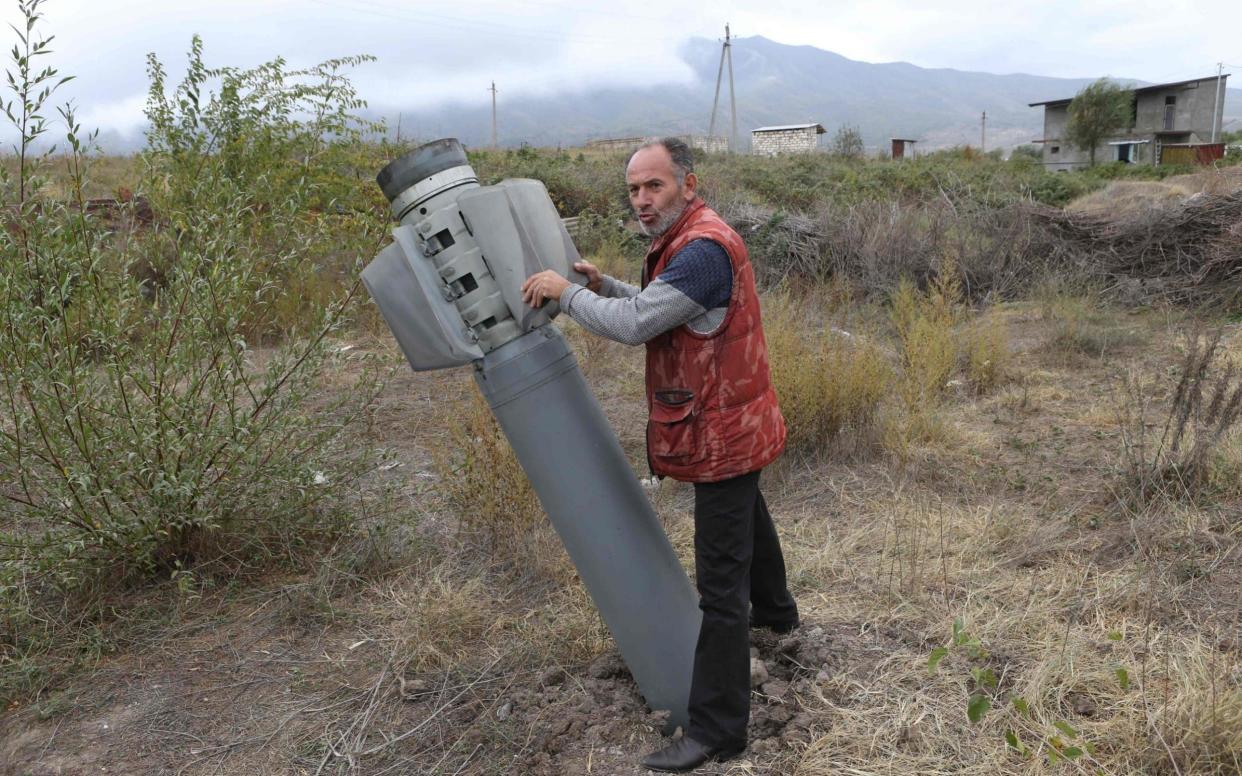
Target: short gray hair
x,y
683,157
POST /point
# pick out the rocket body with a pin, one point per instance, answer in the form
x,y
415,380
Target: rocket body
x,y
449,288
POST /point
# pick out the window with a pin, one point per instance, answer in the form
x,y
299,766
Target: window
x,y
1055,149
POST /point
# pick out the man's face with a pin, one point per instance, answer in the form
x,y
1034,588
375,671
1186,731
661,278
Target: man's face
x,y
655,195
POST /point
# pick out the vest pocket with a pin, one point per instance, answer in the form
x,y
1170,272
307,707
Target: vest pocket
x,y
674,426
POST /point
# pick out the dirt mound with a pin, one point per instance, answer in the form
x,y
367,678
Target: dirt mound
x,y
573,719
1130,198
1217,181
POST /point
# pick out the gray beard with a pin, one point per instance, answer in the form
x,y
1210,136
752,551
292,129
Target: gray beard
x,y
665,220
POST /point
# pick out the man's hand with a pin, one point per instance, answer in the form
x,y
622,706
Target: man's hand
x,y
595,281
543,286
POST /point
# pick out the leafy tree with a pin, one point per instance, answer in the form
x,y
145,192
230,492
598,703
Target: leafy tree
x,y
1096,112
847,143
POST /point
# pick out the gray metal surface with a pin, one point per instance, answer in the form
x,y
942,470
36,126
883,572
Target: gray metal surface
x,y
404,203
428,327
523,235
595,503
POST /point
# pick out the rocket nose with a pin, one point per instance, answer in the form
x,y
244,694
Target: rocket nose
x,y
423,162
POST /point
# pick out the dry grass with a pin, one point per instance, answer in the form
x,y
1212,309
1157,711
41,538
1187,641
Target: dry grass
x,y
1221,180
1005,525
903,567
482,481
1079,323
1132,198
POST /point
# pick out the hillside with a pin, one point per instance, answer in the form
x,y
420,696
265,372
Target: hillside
x,y
778,84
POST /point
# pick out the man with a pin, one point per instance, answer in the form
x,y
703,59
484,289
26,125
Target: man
x,y
714,421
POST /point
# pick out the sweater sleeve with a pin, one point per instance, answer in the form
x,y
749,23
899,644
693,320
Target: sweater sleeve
x,y
694,289
616,289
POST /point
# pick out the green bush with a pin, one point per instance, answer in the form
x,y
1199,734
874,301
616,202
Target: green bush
x,y
282,150
140,431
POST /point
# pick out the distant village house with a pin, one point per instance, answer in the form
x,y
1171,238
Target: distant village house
x,y
903,148
785,139
1169,124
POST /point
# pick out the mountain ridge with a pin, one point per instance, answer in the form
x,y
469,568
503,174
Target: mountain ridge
x,y
777,83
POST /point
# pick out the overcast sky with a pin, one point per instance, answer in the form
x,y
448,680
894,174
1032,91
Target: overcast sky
x,y
431,51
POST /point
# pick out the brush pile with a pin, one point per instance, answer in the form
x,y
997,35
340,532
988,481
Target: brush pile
x,y
1183,249
1189,252
997,250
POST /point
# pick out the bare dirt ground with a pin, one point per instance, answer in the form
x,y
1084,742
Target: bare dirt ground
x,y
436,659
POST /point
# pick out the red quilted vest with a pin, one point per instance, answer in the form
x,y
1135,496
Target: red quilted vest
x,y
713,413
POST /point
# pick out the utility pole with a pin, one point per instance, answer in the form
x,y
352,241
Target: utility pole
x,y
725,53
732,101
1216,114
983,133
493,91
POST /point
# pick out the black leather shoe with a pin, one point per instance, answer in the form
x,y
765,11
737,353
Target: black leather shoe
x,y
686,754
776,627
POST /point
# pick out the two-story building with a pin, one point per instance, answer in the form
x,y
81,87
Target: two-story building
x,y
1173,122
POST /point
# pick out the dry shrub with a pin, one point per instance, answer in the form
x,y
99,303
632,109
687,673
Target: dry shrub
x,y
482,480
997,250
1077,322
985,351
927,353
1206,404
924,324
1185,252
828,381
934,336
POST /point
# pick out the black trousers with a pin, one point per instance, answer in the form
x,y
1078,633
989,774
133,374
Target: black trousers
x,y
738,564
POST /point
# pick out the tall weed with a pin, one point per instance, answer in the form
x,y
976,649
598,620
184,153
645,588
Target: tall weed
x,y
1204,407
924,323
828,381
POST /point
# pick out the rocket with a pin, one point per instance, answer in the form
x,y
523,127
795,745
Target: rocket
x,y
449,288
